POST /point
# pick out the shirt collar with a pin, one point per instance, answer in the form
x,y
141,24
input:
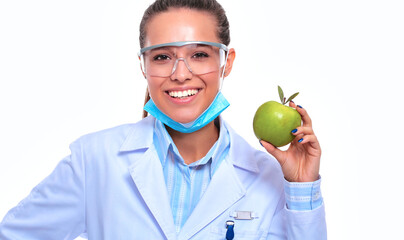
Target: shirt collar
x,y
164,143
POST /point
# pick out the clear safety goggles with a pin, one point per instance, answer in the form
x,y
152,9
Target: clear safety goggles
x,y
198,56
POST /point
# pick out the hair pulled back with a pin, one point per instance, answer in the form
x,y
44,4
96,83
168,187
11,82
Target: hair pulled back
x,y
210,6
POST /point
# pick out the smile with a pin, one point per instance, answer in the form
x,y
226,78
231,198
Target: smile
x,y
183,94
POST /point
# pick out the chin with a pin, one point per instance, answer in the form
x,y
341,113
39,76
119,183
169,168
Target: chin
x,y
182,117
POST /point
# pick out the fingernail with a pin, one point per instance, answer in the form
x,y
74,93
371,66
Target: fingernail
x,y
299,106
260,143
300,140
294,130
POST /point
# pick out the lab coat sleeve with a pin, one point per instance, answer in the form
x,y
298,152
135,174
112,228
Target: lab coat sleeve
x,y
55,208
298,225
306,224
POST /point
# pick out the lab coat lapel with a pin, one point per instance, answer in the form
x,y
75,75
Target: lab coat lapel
x,y
223,191
147,173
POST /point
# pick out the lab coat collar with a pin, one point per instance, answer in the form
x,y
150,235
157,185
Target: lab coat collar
x,y
144,130
145,165
154,191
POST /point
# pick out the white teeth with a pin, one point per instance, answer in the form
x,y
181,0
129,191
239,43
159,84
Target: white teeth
x,y
185,93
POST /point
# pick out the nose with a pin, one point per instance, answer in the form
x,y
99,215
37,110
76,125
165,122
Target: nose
x,y
181,70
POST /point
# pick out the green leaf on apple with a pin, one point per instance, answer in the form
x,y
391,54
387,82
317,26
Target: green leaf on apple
x,y
281,94
291,97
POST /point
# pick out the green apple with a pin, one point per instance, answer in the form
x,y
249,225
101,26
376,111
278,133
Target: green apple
x,y
273,121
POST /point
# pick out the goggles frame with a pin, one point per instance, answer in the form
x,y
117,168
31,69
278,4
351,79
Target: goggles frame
x,y
183,43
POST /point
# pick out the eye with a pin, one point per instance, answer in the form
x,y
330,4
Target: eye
x,y
200,55
161,57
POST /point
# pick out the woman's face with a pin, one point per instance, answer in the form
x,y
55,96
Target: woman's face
x,y
183,25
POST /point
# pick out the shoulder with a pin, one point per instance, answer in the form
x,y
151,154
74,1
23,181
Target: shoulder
x,y
115,137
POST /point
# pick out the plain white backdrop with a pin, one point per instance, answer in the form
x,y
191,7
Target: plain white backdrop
x,y
68,68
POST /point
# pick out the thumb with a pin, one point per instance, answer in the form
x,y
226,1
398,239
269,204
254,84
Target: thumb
x,y
273,151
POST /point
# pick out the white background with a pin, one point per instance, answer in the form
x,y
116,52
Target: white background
x,y
68,68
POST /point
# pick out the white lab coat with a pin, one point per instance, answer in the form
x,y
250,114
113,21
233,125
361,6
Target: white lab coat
x,y
112,187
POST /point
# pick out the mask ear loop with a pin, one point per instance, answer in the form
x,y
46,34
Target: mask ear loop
x,y
223,72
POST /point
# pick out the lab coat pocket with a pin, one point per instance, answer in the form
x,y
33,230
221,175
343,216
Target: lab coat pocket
x,y
217,233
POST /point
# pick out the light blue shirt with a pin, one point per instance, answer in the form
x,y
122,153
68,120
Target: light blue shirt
x,y
187,183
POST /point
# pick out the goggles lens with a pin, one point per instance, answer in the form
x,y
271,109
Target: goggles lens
x,y
200,58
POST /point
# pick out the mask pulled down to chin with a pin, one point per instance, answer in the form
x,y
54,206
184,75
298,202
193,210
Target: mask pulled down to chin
x,y
218,105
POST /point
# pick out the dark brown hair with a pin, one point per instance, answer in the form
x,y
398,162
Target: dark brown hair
x,y
210,6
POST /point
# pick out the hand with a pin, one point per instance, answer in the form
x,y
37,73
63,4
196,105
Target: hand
x,y
301,161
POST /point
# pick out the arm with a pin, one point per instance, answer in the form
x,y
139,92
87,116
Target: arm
x,y
302,210
55,208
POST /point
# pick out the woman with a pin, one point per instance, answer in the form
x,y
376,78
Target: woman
x,y
181,173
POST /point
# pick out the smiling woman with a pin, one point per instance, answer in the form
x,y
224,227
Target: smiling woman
x,y
178,25
182,172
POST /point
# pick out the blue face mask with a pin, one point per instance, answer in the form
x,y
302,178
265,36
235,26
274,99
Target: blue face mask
x,y
218,105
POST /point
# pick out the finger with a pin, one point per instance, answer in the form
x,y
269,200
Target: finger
x,y
273,151
302,130
305,117
292,104
298,138
312,139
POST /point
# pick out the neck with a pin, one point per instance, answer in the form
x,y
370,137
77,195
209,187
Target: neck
x,y
194,146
